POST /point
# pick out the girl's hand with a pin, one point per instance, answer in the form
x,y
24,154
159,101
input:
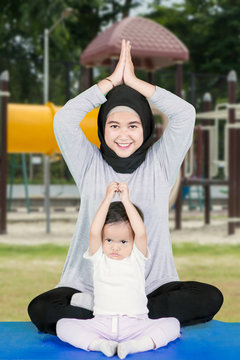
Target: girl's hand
x,y
111,190
123,191
117,75
129,76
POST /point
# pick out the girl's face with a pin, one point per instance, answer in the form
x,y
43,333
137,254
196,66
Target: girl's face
x,y
117,240
123,133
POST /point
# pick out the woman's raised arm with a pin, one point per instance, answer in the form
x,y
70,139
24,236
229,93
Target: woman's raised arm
x,y
75,148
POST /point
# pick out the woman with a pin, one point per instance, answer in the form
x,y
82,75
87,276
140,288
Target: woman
x,y
125,128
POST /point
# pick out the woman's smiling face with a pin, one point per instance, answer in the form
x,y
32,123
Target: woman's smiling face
x,y
123,133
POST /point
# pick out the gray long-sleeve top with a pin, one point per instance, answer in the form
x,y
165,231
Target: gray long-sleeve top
x,y
149,185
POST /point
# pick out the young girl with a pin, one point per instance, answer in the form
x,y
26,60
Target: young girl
x,y
125,127
118,251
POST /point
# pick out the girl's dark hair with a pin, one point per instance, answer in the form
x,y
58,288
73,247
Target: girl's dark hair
x,y
117,213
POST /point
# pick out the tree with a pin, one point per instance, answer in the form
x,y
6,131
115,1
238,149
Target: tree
x,y
22,26
210,29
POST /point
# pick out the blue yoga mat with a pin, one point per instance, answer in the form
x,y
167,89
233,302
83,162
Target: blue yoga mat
x,y
214,340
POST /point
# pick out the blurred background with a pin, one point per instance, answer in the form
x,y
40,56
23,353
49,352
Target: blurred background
x,y
42,201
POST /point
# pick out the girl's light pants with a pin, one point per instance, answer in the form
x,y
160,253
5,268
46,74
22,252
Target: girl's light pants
x,y
119,328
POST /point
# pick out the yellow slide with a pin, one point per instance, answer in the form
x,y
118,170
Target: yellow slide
x,y
30,128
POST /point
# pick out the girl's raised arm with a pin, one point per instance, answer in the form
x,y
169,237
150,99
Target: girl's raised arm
x,y
95,234
136,222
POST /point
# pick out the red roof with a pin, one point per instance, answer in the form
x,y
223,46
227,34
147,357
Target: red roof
x,y
153,46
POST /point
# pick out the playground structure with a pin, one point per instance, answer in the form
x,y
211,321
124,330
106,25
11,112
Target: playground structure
x,y
27,136
4,94
202,162
153,47
37,137
208,156
30,129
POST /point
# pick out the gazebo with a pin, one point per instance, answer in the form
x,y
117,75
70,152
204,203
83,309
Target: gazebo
x,y
153,47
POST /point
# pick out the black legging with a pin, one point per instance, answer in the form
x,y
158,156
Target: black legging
x,y
190,302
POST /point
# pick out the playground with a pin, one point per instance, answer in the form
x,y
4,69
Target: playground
x,y
205,233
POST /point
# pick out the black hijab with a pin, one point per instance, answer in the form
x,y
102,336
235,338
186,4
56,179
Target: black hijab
x,y
124,95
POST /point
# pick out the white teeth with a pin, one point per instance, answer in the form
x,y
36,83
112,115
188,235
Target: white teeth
x,y
124,145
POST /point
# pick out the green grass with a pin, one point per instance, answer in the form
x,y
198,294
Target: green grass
x,y
218,265
27,271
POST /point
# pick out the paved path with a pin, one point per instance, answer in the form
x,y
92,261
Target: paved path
x,y
30,229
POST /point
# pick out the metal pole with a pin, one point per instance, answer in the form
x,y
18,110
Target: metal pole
x,y
178,205
207,99
46,164
232,151
46,66
47,201
47,32
4,79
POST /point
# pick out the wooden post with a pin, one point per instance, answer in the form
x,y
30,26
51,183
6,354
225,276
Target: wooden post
x,y
89,76
67,69
4,79
150,77
207,100
114,61
232,154
178,204
237,134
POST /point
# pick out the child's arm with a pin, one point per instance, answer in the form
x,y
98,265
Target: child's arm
x,y
95,235
137,224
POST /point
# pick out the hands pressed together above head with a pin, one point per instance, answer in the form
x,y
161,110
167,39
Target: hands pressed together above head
x,y
124,71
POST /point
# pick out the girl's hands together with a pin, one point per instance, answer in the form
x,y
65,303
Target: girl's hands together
x,y
123,192
120,188
111,190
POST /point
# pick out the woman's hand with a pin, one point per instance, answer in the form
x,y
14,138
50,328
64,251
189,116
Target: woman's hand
x,y
124,73
117,75
129,76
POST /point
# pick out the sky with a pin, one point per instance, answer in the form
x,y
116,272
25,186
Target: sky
x,y
144,7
